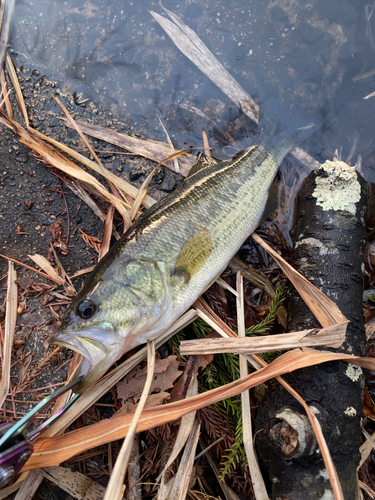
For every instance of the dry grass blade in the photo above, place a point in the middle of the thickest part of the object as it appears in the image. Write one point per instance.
(28, 488)
(224, 333)
(259, 487)
(206, 144)
(76, 484)
(107, 231)
(77, 189)
(29, 267)
(6, 14)
(29, 485)
(78, 130)
(60, 403)
(183, 432)
(87, 270)
(6, 492)
(182, 478)
(332, 336)
(229, 494)
(326, 455)
(5, 94)
(10, 325)
(52, 451)
(140, 196)
(175, 161)
(43, 263)
(194, 49)
(155, 151)
(94, 155)
(116, 481)
(225, 285)
(367, 489)
(367, 447)
(121, 184)
(325, 311)
(14, 79)
(52, 157)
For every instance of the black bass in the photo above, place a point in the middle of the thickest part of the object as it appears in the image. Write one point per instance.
(176, 249)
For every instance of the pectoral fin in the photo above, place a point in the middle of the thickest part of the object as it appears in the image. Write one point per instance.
(193, 255)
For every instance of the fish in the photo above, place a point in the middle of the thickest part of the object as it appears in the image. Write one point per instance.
(176, 249)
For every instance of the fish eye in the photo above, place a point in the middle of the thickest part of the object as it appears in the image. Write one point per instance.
(86, 309)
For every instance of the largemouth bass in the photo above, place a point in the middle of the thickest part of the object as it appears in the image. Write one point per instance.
(176, 249)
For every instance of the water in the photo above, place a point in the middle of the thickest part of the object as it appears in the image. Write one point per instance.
(114, 52)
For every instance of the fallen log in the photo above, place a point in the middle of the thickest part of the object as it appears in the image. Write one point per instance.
(329, 252)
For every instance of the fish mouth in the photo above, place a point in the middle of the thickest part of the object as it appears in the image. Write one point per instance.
(95, 345)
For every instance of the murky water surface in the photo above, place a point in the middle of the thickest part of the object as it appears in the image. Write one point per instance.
(317, 54)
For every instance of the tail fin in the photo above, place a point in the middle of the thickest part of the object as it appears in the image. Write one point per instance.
(283, 129)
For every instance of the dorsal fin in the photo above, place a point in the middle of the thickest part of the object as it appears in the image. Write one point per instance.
(203, 161)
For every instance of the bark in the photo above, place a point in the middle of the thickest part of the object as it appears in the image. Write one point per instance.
(329, 251)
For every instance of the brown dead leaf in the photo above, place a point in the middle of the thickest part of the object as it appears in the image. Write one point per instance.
(192, 367)
(23, 369)
(22, 306)
(166, 372)
(368, 405)
(17, 343)
(56, 231)
(151, 401)
(91, 241)
(33, 319)
(25, 282)
(46, 299)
